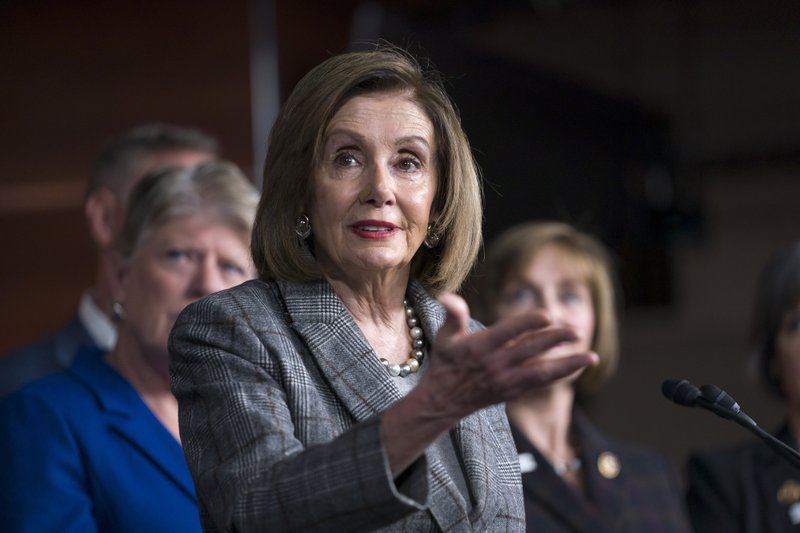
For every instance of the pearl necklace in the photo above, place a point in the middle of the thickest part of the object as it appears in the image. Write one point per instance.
(413, 363)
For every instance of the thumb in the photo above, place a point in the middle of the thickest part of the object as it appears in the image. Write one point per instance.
(457, 319)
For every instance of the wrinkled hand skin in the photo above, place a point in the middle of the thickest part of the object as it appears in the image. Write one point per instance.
(497, 364)
(470, 371)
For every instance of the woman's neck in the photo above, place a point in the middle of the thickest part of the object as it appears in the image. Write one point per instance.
(545, 418)
(148, 378)
(377, 308)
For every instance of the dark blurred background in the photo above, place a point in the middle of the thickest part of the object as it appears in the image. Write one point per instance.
(669, 129)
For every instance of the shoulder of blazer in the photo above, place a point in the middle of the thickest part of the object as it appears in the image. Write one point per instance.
(44, 356)
(250, 301)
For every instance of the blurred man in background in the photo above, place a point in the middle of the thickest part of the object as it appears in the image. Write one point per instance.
(124, 161)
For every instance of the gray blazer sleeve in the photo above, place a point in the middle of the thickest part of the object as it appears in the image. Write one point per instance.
(241, 375)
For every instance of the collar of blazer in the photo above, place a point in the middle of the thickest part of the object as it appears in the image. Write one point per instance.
(67, 341)
(125, 413)
(559, 500)
(362, 384)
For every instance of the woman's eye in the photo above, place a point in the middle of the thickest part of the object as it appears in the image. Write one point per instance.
(409, 164)
(571, 297)
(233, 268)
(520, 297)
(175, 254)
(345, 159)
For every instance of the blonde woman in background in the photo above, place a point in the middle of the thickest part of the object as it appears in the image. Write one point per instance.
(575, 478)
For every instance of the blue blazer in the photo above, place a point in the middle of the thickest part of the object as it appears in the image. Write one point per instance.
(80, 451)
(44, 356)
(630, 488)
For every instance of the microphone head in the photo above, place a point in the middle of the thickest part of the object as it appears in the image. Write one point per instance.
(717, 396)
(680, 391)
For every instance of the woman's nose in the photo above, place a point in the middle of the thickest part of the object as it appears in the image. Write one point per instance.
(554, 311)
(207, 279)
(377, 188)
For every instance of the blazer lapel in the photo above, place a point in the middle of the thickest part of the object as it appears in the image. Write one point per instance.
(778, 484)
(70, 339)
(126, 414)
(338, 347)
(475, 440)
(447, 503)
(604, 471)
(474, 437)
(356, 375)
(545, 489)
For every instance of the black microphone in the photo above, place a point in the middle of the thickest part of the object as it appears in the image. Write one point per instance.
(709, 397)
(716, 400)
(684, 393)
(680, 391)
(720, 398)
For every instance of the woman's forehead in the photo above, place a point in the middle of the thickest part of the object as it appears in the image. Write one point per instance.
(571, 263)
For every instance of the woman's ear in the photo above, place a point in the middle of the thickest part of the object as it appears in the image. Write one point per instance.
(102, 209)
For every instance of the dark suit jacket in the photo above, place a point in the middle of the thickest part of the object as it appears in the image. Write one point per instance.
(644, 496)
(748, 488)
(280, 401)
(45, 356)
(80, 451)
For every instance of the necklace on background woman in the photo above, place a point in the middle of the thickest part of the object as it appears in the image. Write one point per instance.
(573, 465)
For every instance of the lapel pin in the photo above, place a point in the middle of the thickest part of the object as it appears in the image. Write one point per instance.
(608, 465)
(789, 492)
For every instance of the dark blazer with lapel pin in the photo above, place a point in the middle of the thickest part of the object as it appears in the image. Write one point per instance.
(280, 400)
(45, 356)
(635, 491)
(747, 488)
(80, 451)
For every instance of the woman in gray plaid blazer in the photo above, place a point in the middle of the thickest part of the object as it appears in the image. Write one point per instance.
(335, 393)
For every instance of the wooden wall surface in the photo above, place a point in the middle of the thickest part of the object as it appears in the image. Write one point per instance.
(75, 74)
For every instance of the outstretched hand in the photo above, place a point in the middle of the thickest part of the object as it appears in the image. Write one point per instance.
(473, 370)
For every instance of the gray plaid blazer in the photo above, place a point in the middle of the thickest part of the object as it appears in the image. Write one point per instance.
(280, 399)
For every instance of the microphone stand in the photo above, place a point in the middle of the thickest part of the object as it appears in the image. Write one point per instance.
(719, 402)
(788, 453)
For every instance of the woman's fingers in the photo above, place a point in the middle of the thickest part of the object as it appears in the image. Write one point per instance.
(541, 372)
(508, 351)
(511, 330)
(457, 319)
(535, 343)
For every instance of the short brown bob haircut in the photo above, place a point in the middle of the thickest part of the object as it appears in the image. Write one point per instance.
(777, 295)
(295, 148)
(507, 258)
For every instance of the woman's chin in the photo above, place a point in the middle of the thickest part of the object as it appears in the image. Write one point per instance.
(559, 352)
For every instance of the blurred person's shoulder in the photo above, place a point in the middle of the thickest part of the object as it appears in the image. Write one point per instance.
(47, 355)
